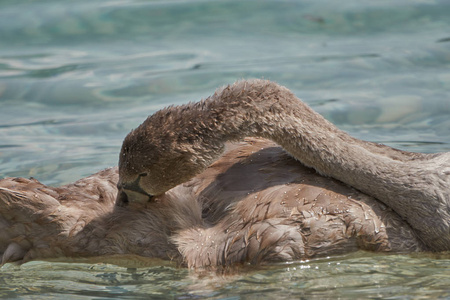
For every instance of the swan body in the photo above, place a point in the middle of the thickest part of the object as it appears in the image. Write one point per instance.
(255, 204)
(191, 188)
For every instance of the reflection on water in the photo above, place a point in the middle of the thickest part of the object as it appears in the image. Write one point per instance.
(77, 76)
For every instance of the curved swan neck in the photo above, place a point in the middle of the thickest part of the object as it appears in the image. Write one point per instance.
(265, 109)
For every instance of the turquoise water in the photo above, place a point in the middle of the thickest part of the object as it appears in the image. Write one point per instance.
(77, 76)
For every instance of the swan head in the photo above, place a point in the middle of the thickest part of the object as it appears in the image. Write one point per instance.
(146, 168)
(163, 152)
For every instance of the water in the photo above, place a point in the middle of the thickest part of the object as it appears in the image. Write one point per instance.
(358, 276)
(77, 76)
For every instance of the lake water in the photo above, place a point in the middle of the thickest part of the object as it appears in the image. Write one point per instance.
(77, 76)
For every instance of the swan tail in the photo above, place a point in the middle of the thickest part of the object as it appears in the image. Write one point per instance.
(39, 222)
(26, 218)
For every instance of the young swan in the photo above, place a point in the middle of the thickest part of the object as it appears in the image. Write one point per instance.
(255, 204)
(177, 143)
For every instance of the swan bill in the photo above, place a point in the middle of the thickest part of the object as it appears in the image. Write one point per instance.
(124, 197)
(132, 192)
